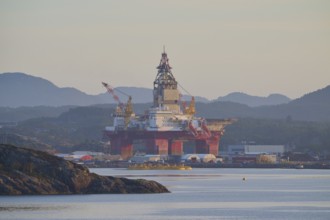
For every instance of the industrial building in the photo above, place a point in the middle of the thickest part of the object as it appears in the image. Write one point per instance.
(248, 153)
(255, 149)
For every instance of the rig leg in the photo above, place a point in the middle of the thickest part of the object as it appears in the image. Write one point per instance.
(157, 146)
(202, 147)
(115, 146)
(175, 147)
(209, 146)
(122, 146)
(213, 144)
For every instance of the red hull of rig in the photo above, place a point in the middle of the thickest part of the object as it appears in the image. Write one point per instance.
(162, 142)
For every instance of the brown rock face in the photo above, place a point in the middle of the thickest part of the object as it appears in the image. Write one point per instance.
(27, 172)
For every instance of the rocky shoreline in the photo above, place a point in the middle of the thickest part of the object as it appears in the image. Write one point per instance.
(30, 172)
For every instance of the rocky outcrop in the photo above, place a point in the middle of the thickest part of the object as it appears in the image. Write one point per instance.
(30, 172)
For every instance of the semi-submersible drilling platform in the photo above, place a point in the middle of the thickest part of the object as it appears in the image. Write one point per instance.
(164, 126)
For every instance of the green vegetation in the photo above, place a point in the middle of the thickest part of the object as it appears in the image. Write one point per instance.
(300, 136)
(78, 128)
(81, 129)
(24, 113)
(23, 141)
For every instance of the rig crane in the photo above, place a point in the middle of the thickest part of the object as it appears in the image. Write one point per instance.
(111, 90)
(122, 110)
(190, 110)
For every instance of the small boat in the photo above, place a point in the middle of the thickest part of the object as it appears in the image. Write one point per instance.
(299, 166)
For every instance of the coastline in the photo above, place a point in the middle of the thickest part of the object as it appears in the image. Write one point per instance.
(297, 165)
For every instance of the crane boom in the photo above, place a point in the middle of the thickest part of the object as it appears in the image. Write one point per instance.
(125, 111)
(112, 92)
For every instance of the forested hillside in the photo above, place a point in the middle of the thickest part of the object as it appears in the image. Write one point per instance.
(81, 128)
(300, 136)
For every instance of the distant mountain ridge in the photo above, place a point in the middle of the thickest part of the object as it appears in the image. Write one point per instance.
(317, 97)
(254, 101)
(314, 106)
(20, 89)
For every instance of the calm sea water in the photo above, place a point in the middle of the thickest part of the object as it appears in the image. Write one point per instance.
(195, 194)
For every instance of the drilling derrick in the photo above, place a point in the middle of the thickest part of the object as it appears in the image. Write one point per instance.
(166, 94)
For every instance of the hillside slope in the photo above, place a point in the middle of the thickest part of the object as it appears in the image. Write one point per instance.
(23, 90)
(254, 101)
(19, 89)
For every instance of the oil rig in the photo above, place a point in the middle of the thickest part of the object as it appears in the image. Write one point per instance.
(166, 124)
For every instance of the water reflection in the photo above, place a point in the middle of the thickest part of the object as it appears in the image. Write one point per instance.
(196, 194)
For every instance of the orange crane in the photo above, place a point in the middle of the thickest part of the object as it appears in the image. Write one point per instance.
(111, 90)
(190, 110)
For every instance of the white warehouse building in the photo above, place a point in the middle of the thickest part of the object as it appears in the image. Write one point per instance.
(255, 149)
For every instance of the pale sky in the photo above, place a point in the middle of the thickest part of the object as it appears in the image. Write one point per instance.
(215, 47)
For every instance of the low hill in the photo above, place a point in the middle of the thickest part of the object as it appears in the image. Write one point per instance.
(254, 101)
(30, 142)
(321, 96)
(314, 106)
(30, 172)
(19, 89)
(23, 90)
(297, 135)
(81, 129)
(8, 114)
(140, 95)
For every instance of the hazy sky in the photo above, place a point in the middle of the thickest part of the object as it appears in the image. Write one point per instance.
(215, 47)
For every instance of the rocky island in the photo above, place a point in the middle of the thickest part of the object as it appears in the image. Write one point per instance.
(30, 172)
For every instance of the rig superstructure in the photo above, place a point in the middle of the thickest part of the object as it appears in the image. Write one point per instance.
(165, 126)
